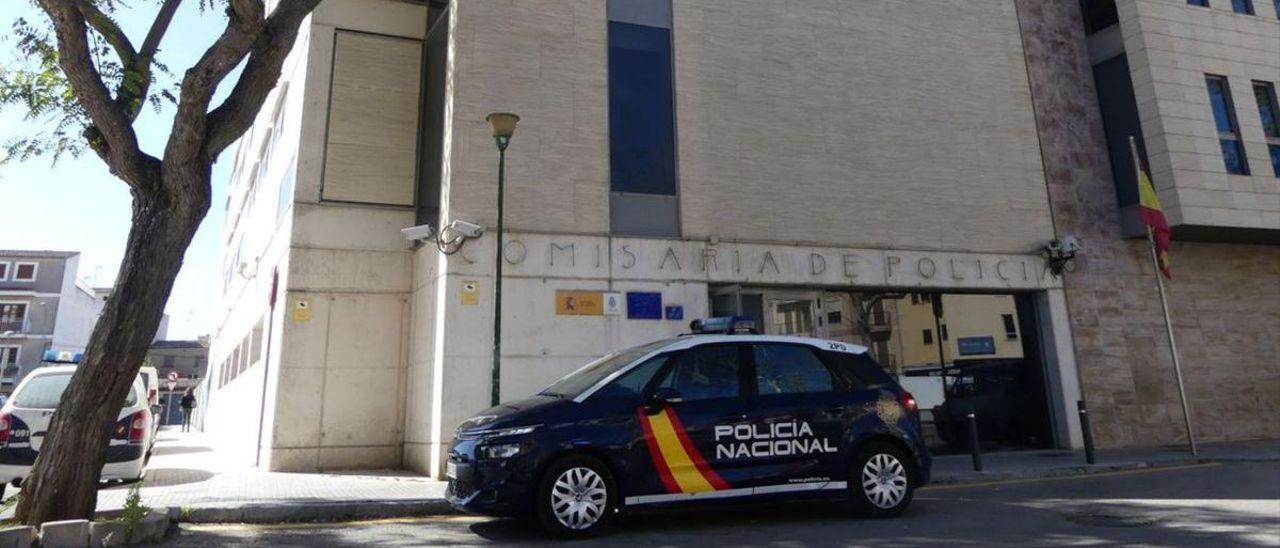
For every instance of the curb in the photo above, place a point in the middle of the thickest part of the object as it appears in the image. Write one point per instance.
(1083, 470)
(320, 512)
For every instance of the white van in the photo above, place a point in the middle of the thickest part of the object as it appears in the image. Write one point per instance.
(24, 420)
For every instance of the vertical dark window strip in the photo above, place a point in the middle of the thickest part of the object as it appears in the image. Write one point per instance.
(1269, 112)
(1201, 3)
(1242, 6)
(641, 110)
(1224, 118)
(431, 122)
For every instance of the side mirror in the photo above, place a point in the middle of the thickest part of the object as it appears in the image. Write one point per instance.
(660, 398)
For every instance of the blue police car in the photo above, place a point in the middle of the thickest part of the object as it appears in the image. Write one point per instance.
(717, 415)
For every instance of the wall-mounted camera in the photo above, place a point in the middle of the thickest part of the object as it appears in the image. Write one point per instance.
(1061, 253)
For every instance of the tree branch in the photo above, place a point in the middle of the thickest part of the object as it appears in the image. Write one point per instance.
(111, 135)
(236, 113)
(107, 27)
(187, 138)
(136, 82)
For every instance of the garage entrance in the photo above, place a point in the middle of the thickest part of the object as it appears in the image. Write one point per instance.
(955, 352)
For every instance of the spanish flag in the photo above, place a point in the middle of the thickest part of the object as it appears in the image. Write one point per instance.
(1152, 214)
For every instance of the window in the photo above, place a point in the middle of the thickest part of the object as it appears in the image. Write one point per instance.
(787, 369)
(1098, 14)
(642, 150)
(9, 362)
(928, 336)
(1224, 117)
(1202, 3)
(1269, 110)
(632, 383)
(1277, 3)
(24, 272)
(1010, 328)
(168, 361)
(942, 330)
(1242, 6)
(13, 316)
(4, 271)
(589, 375)
(44, 391)
(705, 373)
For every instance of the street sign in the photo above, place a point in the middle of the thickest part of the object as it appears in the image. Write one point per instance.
(171, 384)
(172, 376)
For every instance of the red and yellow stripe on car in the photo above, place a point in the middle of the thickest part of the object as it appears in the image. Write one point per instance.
(679, 464)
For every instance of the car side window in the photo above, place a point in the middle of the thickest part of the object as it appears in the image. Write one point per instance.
(632, 383)
(705, 373)
(790, 369)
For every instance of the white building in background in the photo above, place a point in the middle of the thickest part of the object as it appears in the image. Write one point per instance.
(787, 161)
(43, 306)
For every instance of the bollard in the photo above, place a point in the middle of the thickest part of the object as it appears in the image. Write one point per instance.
(974, 446)
(1086, 432)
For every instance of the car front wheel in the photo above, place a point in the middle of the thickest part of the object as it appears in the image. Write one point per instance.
(881, 481)
(576, 497)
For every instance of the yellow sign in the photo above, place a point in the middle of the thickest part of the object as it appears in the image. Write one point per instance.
(302, 311)
(579, 303)
(470, 292)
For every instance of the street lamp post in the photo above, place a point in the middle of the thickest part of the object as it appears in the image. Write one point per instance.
(504, 126)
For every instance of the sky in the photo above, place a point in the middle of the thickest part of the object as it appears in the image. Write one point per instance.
(77, 205)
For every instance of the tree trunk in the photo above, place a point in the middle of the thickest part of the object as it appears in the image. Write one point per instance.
(64, 481)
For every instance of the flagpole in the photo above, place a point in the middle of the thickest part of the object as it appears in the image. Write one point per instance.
(1164, 307)
(1173, 346)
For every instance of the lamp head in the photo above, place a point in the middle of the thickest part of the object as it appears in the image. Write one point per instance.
(504, 126)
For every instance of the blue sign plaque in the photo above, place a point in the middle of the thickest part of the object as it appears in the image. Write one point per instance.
(674, 312)
(972, 346)
(644, 306)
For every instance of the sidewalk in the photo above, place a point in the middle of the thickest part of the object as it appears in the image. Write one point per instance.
(952, 469)
(187, 473)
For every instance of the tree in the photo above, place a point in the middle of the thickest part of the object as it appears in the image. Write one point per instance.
(85, 71)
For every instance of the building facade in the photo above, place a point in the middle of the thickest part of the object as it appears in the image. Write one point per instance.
(188, 361)
(43, 307)
(809, 164)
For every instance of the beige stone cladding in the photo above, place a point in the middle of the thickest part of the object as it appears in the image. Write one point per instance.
(1225, 298)
(881, 124)
(1171, 46)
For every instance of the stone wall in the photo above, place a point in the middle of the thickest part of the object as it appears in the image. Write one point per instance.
(1225, 298)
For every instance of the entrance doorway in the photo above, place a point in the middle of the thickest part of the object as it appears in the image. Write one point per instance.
(955, 352)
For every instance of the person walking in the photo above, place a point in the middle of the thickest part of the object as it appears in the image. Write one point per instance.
(188, 407)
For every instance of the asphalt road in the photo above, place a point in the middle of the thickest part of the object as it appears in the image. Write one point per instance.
(1204, 505)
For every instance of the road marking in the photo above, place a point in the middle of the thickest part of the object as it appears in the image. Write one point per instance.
(1086, 475)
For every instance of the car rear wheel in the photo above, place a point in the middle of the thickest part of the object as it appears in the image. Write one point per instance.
(881, 481)
(576, 497)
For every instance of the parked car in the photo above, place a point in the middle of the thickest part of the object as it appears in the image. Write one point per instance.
(705, 418)
(24, 422)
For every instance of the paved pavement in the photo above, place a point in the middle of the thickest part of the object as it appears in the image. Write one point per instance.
(186, 472)
(1233, 504)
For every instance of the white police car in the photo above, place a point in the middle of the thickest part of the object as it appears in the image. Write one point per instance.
(24, 422)
(714, 416)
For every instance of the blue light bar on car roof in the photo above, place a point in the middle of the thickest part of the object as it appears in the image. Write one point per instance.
(54, 356)
(723, 324)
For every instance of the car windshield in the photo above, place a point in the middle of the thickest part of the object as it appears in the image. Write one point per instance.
(573, 384)
(44, 391)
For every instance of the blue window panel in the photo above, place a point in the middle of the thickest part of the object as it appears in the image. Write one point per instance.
(641, 110)
(1233, 156)
(1221, 105)
(1265, 94)
(1242, 6)
(1275, 158)
(1204, 3)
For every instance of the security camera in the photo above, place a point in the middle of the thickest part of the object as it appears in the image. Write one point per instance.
(465, 229)
(1071, 244)
(416, 233)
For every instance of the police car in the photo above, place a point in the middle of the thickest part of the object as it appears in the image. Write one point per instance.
(24, 422)
(717, 415)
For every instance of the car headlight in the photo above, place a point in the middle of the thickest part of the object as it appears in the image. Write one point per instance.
(513, 431)
(503, 451)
